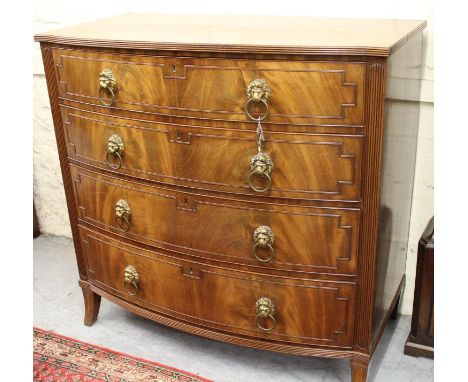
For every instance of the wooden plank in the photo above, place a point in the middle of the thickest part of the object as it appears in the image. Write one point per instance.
(256, 34)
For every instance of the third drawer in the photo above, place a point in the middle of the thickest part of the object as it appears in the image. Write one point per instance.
(270, 236)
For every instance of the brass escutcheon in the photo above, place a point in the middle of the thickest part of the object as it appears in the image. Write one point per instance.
(131, 277)
(266, 310)
(115, 148)
(107, 85)
(123, 213)
(264, 237)
(261, 165)
(258, 91)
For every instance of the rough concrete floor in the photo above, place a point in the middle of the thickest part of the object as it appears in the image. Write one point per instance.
(58, 306)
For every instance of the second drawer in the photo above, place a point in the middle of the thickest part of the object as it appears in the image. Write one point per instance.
(319, 240)
(303, 166)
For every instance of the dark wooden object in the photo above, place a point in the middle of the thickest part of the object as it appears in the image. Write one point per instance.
(421, 338)
(36, 230)
(342, 143)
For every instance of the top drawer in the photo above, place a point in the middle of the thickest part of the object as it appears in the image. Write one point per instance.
(302, 92)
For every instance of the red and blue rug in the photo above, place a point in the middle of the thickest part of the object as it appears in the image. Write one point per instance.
(62, 359)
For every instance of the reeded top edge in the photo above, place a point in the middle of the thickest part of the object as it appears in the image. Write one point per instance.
(241, 34)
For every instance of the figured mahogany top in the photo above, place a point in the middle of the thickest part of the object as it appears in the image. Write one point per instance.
(252, 34)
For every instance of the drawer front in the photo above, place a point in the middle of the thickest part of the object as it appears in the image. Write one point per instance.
(308, 312)
(306, 166)
(305, 92)
(305, 239)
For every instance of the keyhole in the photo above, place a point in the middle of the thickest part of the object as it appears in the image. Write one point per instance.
(174, 68)
(190, 271)
(186, 204)
(178, 135)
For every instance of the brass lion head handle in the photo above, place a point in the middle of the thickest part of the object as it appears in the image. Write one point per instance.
(258, 91)
(131, 280)
(115, 149)
(266, 311)
(123, 215)
(261, 166)
(264, 237)
(107, 85)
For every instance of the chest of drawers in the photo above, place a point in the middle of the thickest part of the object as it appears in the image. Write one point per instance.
(246, 179)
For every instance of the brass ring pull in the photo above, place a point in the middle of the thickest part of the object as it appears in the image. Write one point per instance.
(264, 237)
(261, 327)
(102, 99)
(135, 288)
(125, 226)
(115, 149)
(110, 161)
(107, 85)
(268, 259)
(259, 189)
(247, 110)
(131, 277)
(258, 91)
(260, 165)
(266, 310)
(123, 214)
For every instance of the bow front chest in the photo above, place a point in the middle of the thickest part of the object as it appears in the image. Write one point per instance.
(245, 179)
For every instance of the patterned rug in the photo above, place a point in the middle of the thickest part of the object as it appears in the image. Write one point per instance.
(61, 359)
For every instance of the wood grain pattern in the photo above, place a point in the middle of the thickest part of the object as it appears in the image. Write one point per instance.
(307, 166)
(217, 123)
(307, 311)
(359, 370)
(371, 201)
(241, 33)
(264, 344)
(307, 239)
(179, 108)
(216, 88)
(92, 303)
(52, 88)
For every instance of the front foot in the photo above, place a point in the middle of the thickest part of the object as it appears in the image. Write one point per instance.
(359, 370)
(92, 303)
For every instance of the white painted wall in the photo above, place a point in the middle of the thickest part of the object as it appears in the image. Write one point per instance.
(52, 14)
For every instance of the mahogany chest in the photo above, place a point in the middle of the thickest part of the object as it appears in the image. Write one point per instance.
(247, 179)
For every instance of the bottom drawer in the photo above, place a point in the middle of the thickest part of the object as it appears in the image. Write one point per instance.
(249, 304)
